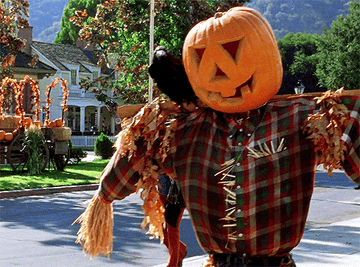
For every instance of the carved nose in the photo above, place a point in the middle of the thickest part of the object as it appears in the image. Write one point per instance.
(220, 73)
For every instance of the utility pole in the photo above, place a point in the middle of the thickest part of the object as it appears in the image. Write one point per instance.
(151, 48)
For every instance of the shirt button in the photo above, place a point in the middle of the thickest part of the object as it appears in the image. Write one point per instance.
(241, 130)
(239, 144)
(241, 235)
(238, 164)
(230, 136)
(238, 187)
(249, 134)
(238, 211)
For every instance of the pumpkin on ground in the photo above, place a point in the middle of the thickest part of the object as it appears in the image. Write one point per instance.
(27, 122)
(37, 123)
(51, 124)
(232, 60)
(58, 122)
(9, 136)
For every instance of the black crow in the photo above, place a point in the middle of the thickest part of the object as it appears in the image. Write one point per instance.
(169, 74)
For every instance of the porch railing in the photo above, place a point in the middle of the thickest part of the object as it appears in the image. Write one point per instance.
(86, 140)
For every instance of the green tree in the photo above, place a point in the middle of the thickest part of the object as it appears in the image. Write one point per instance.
(339, 52)
(299, 58)
(69, 32)
(120, 29)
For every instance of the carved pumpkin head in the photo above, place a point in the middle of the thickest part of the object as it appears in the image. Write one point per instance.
(232, 60)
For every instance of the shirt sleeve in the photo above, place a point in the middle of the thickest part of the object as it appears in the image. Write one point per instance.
(119, 177)
(351, 138)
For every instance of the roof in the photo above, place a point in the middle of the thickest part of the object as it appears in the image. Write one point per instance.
(22, 60)
(60, 55)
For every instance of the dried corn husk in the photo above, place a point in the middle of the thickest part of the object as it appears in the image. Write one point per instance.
(9, 122)
(149, 124)
(96, 228)
(325, 129)
(95, 233)
(153, 207)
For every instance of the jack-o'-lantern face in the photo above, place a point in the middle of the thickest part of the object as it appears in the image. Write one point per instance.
(232, 61)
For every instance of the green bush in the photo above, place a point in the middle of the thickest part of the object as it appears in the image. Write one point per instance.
(77, 154)
(104, 147)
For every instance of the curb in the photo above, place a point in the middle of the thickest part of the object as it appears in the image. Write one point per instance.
(47, 191)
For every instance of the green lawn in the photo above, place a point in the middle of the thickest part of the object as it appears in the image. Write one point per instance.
(81, 173)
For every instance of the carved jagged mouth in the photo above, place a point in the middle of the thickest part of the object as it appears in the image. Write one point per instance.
(247, 86)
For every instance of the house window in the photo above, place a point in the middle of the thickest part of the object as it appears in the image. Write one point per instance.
(73, 118)
(73, 76)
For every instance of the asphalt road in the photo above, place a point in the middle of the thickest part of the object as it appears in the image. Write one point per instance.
(37, 231)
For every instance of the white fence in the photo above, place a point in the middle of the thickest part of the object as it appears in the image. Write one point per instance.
(86, 140)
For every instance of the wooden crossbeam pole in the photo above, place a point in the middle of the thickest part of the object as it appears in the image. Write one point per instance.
(131, 110)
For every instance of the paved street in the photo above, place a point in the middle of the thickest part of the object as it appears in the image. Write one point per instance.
(37, 231)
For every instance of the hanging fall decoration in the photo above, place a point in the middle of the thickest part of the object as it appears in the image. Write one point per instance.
(18, 89)
(325, 129)
(19, 119)
(6, 85)
(232, 60)
(34, 94)
(46, 108)
(5, 96)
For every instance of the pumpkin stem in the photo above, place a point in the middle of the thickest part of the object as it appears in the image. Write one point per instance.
(218, 14)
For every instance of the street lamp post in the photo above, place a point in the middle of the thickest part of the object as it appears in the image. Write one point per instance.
(299, 88)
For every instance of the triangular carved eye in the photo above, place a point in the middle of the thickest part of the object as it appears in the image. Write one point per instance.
(200, 53)
(232, 48)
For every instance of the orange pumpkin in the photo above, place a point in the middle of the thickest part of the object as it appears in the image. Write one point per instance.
(9, 136)
(37, 123)
(232, 60)
(27, 122)
(51, 124)
(58, 122)
(2, 135)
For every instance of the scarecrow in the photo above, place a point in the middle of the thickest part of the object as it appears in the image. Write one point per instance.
(244, 158)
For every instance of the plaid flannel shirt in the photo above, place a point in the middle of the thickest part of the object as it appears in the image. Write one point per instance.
(273, 192)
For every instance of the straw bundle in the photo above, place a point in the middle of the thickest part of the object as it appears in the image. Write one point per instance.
(96, 228)
(9, 122)
(62, 133)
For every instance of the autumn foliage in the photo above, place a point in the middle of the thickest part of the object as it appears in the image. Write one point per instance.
(325, 129)
(120, 33)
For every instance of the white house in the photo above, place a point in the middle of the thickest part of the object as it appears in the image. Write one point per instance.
(71, 63)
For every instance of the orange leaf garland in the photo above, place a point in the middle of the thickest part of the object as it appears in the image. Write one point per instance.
(46, 108)
(35, 93)
(325, 129)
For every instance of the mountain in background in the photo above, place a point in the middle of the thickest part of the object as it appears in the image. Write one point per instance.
(306, 16)
(45, 17)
